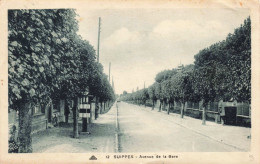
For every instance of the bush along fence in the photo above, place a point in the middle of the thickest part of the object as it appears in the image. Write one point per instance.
(219, 81)
(49, 68)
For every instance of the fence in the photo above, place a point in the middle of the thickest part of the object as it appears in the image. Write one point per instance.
(193, 105)
(243, 109)
(213, 107)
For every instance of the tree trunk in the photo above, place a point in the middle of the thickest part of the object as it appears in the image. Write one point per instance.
(169, 106)
(75, 119)
(25, 127)
(182, 110)
(66, 118)
(204, 105)
(47, 106)
(164, 104)
(101, 106)
(160, 107)
(96, 108)
(67, 111)
(50, 112)
(173, 104)
(153, 105)
(203, 116)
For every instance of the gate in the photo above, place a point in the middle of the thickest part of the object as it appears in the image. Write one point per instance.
(230, 115)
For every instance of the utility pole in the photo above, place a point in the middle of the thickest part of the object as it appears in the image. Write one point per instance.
(109, 71)
(99, 24)
(113, 84)
(97, 98)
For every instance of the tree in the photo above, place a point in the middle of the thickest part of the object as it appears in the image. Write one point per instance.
(151, 92)
(33, 37)
(238, 54)
(204, 77)
(163, 75)
(170, 91)
(159, 94)
(164, 90)
(182, 85)
(125, 93)
(144, 96)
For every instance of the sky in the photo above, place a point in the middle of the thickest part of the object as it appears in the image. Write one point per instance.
(141, 42)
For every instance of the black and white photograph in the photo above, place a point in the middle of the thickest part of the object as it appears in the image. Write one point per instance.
(134, 82)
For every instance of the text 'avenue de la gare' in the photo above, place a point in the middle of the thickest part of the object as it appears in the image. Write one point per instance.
(144, 156)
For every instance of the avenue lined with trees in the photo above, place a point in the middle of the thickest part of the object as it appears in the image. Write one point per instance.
(48, 61)
(221, 71)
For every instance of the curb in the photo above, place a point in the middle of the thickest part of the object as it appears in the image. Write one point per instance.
(116, 132)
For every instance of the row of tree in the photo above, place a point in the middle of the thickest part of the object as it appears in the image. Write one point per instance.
(48, 60)
(221, 71)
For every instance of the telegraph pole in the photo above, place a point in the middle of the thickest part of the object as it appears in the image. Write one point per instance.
(99, 24)
(97, 99)
(113, 84)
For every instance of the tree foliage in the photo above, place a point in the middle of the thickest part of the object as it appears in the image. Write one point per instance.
(223, 71)
(47, 58)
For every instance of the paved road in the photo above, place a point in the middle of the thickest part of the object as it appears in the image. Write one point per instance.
(144, 131)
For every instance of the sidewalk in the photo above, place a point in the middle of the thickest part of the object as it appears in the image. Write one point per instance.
(234, 136)
(60, 139)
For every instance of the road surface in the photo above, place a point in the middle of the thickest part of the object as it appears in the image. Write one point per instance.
(144, 131)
